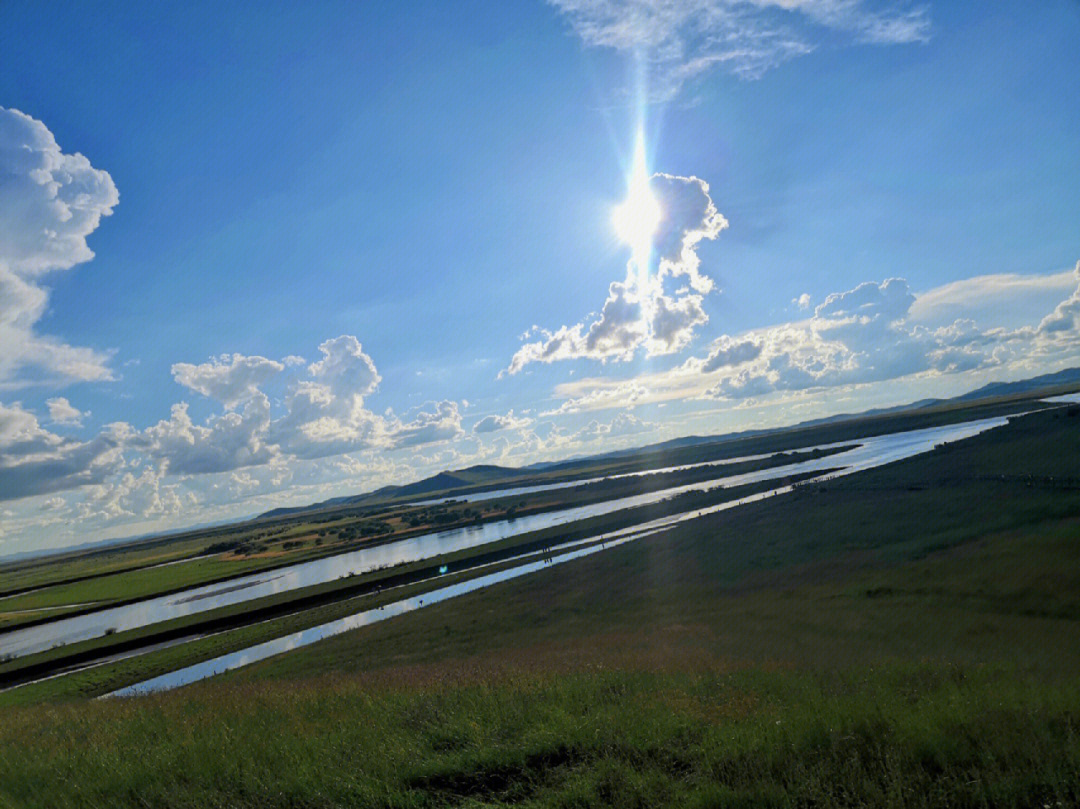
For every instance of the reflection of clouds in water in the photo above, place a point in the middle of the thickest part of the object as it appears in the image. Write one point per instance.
(318, 571)
(873, 452)
(870, 452)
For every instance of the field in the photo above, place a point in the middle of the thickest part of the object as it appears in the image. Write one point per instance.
(907, 636)
(247, 549)
(131, 569)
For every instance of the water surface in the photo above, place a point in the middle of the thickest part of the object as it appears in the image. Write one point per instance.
(873, 451)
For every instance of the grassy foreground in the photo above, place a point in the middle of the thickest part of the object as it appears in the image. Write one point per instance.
(913, 735)
(908, 636)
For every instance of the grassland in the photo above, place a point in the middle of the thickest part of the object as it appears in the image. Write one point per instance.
(302, 527)
(241, 625)
(907, 636)
(301, 539)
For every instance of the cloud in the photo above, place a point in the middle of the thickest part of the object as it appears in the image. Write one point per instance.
(49, 203)
(860, 336)
(136, 495)
(442, 423)
(490, 424)
(863, 335)
(1005, 300)
(677, 42)
(802, 302)
(345, 368)
(231, 379)
(1065, 319)
(868, 302)
(34, 461)
(326, 415)
(61, 411)
(226, 442)
(645, 314)
(320, 422)
(854, 337)
(728, 352)
(624, 424)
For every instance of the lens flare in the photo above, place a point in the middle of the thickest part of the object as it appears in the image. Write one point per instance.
(638, 217)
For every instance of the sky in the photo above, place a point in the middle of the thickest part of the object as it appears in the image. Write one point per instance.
(254, 257)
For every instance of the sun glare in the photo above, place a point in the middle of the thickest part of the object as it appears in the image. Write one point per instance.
(637, 218)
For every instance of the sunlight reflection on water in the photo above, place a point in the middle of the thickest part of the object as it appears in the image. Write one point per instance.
(874, 452)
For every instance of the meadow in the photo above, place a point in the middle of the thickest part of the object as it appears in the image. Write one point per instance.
(906, 636)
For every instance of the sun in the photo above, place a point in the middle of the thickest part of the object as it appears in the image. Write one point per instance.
(638, 217)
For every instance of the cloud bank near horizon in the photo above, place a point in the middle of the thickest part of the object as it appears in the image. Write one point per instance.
(282, 428)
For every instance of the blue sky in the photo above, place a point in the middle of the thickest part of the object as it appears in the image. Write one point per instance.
(414, 186)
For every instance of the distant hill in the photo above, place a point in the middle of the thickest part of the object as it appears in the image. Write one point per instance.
(444, 481)
(1066, 377)
(488, 474)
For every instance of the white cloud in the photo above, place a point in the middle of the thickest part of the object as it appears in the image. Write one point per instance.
(327, 416)
(136, 495)
(49, 203)
(34, 461)
(61, 411)
(490, 424)
(441, 423)
(861, 336)
(728, 352)
(679, 41)
(624, 424)
(1001, 300)
(226, 442)
(345, 368)
(644, 314)
(1065, 319)
(231, 379)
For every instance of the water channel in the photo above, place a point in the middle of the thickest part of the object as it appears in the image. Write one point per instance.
(871, 452)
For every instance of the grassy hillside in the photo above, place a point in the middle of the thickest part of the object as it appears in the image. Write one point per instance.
(908, 636)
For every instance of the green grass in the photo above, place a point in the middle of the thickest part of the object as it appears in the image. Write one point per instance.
(102, 590)
(903, 735)
(909, 636)
(262, 619)
(102, 561)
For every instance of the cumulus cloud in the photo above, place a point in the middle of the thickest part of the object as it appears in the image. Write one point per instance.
(35, 461)
(441, 423)
(864, 335)
(61, 411)
(644, 313)
(345, 368)
(677, 42)
(230, 379)
(141, 494)
(856, 337)
(624, 424)
(1065, 319)
(326, 415)
(728, 352)
(226, 442)
(494, 422)
(49, 203)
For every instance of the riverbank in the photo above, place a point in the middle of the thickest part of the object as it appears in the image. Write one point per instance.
(905, 636)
